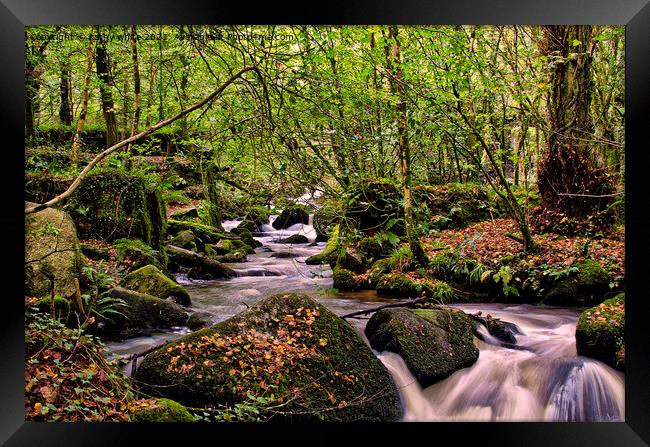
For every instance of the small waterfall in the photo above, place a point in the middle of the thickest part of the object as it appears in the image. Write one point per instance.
(541, 380)
(586, 390)
(416, 406)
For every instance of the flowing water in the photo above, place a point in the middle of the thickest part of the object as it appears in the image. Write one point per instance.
(542, 379)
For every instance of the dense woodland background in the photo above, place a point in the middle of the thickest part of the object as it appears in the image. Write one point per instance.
(445, 163)
(325, 107)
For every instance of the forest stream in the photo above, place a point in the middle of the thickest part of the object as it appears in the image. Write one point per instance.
(539, 379)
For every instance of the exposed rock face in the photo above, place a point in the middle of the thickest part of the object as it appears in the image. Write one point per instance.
(317, 361)
(51, 249)
(434, 343)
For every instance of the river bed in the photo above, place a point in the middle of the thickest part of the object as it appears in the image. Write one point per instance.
(544, 380)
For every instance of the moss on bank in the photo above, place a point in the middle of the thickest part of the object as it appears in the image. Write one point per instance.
(600, 332)
(163, 410)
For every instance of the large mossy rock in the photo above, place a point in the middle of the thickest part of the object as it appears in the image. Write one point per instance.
(246, 236)
(111, 204)
(322, 368)
(204, 234)
(152, 281)
(142, 314)
(329, 253)
(184, 239)
(295, 239)
(585, 288)
(452, 205)
(198, 266)
(434, 343)
(345, 280)
(398, 284)
(600, 332)
(163, 410)
(189, 214)
(372, 204)
(133, 254)
(51, 249)
(259, 215)
(296, 214)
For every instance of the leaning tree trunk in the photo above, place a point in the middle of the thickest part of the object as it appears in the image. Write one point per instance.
(419, 255)
(103, 73)
(569, 184)
(84, 102)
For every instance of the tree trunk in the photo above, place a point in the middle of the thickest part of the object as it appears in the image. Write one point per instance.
(65, 109)
(75, 184)
(211, 195)
(31, 93)
(568, 182)
(84, 102)
(106, 81)
(136, 84)
(419, 255)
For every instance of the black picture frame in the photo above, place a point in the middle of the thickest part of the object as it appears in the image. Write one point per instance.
(15, 14)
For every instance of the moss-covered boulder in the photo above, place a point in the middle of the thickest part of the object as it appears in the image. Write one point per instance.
(318, 365)
(52, 250)
(233, 257)
(349, 258)
(204, 234)
(199, 266)
(59, 307)
(295, 239)
(149, 279)
(246, 237)
(247, 224)
(329, 252)
(184, 239)
(452, 205)
(371, 250)
(198, 320)
(585, 288)
(600, 332)
(191, 214)
(372, 204)
(434, 343)
(258, 215)
(324, 222)
(141, 314)
(378, 270)
(398, 284)
(163, 410)
(291, 215)
(346, 280)
(133, 254)
(110, 204)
